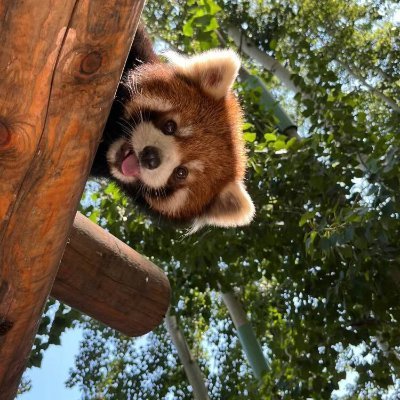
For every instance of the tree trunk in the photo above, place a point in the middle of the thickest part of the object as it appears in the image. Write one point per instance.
(357, 75)
(60, 65)
(285, 123)
(268, 62)
(246, 335)
(284, 75)
(190, 365)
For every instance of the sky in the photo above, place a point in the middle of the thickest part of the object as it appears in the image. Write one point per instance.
(396, 16)
(48, 382)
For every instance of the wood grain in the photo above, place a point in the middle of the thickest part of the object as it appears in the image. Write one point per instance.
(60, 63)
(106, 279)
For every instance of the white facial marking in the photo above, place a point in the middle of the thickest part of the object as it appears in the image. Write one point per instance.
(185, 131)
(141, 102)
(147, 135)
(196, 165)
(193, 167)
(112, 153)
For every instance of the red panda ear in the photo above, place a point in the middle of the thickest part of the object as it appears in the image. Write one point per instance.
(232, 207)
(214, 70)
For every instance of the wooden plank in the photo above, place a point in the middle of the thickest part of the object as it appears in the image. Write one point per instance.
(60, 63)
(106, 279)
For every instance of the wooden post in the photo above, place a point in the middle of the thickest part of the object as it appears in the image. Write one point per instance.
(104, 278)
(60, 63)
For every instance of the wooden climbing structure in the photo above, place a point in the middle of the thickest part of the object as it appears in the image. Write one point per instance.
(60, 63)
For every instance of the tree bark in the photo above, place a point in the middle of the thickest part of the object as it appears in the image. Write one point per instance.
(284, 75)
(285, 123)
(190, 365)
(246, 335)
(60, 64)
(103, 277)
(268, 62)
(357, 75)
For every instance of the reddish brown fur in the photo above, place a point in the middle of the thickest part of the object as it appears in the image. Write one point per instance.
(216, 138)
(195, 94)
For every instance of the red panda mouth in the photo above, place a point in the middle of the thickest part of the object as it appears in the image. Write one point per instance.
(129, 164)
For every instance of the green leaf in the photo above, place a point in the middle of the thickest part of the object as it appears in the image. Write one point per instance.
(310, 240)
(306, 217)
(94, 216)
(249, 137)
(279, 145)
(324, 243)
(188, 28)
(270, 137)
(247, 126)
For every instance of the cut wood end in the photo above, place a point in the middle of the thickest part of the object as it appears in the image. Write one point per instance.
(106, 279)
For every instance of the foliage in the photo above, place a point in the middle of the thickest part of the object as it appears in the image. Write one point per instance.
(55, 320)
(120, 366)
(318, 269)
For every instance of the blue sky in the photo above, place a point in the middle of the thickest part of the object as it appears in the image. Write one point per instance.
(48, 382)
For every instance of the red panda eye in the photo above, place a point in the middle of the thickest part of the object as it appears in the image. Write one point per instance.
(181, 172)
(169, 127)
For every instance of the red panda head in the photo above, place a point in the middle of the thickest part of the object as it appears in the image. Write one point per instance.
(183, 148)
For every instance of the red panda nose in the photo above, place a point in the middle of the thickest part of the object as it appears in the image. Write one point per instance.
(149, 157)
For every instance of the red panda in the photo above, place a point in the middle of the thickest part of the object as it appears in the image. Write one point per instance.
(173, 141)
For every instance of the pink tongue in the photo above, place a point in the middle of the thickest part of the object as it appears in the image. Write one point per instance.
(130, 166)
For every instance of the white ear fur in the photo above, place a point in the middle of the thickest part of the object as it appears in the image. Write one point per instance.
(232, 207)
(215, 70)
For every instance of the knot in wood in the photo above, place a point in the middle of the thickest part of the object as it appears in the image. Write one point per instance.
(91, 63)
(5, 326)
(4, 134)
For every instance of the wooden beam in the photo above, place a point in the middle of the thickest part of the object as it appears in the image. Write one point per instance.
(60, 63)
(106, 279)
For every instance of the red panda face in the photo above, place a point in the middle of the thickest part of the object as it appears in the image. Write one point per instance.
(183, 147)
